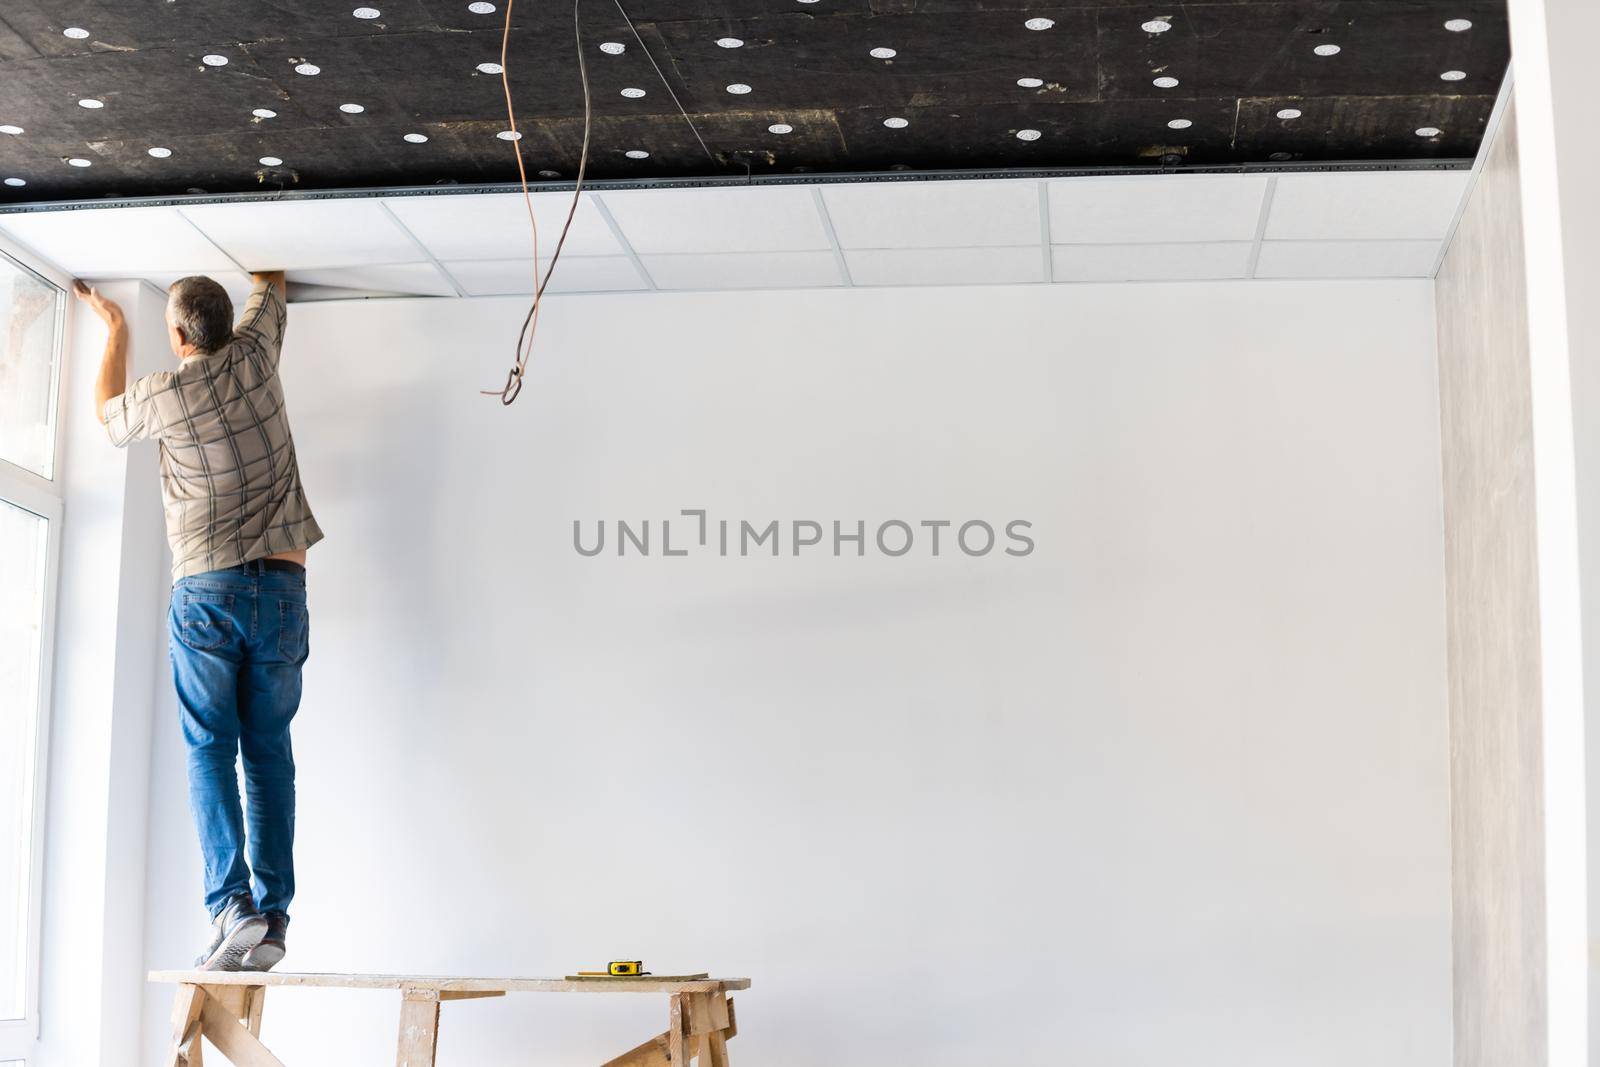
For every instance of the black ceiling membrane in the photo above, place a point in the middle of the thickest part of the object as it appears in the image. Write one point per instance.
(196, 94)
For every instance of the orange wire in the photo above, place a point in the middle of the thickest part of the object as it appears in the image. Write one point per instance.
(525, 340)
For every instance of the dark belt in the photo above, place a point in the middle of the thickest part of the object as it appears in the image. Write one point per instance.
(256, 566)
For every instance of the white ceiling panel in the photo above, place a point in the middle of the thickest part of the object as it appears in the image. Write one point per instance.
(304, 234)
(1151, 262)
(421, 279)
(124, 242)
(1376, 205)
(495, 225)
(1156, 208)
(934, 214)
(578, 274)
(765, 270)
(722, 219)
(1347, 259)
(945, 266)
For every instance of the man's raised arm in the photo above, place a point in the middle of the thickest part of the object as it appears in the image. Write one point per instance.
(113, 378)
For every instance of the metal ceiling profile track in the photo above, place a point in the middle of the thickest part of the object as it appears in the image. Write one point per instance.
(992, 174)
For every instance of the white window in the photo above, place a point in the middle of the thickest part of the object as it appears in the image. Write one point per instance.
(32, 338)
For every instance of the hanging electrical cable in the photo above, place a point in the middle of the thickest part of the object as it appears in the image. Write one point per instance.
(530, 324)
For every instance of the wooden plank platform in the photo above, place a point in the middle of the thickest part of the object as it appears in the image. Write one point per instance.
(224, 1007)
(452, 983)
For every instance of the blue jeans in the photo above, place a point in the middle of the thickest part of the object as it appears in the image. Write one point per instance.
(238, 640)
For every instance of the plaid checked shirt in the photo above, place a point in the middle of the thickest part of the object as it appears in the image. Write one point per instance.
(228, 471)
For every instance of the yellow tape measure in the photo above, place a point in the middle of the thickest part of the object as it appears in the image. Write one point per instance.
(618, 969)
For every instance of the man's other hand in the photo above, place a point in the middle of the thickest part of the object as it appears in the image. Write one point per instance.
(271, 277)
(108, 310)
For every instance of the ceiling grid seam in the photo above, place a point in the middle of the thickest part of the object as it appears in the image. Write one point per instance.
(424, 249)
(833, 237)
(622, 239)
(1267, 196)
(703, 291)
(1045, 237)
(207, 238)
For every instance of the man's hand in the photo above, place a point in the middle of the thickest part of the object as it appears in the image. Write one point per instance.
(109, 310)
(272, 277)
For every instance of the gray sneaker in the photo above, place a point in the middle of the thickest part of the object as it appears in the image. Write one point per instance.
(266, 955)
(240, 928)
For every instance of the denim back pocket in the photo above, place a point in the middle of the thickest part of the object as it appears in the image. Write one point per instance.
(207, 620)
(294, 630)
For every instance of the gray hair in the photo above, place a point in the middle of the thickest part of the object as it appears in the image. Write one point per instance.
(202, 310)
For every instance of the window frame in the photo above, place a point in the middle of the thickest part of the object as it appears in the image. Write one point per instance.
(43, 496)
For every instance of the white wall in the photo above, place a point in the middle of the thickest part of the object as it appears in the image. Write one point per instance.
(1171, 789)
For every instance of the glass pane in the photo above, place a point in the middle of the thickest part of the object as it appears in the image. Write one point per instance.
(28, 324)
(23, 544)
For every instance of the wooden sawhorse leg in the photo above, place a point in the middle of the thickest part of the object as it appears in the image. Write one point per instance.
(186, 1027)
(698, 1026)
(229, 1016)
(419, 1028)
(419, 1022)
